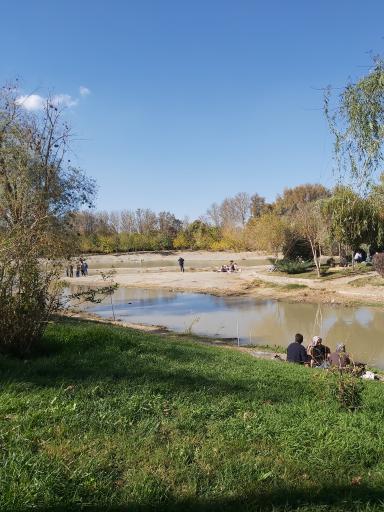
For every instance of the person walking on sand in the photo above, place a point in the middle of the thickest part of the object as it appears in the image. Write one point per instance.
(181, 264)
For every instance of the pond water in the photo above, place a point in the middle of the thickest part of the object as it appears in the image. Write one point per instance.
(257, 322)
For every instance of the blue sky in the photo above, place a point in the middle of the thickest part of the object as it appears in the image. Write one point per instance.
(191, 102)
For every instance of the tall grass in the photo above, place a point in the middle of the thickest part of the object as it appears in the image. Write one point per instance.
(107, 418)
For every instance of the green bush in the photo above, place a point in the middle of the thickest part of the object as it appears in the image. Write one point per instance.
(293, 266)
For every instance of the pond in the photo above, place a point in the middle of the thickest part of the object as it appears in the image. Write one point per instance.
(254, 321)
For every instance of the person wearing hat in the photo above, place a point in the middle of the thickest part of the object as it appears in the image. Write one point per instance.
(318, 352)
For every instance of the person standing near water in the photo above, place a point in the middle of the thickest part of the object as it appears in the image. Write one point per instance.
(181, 264)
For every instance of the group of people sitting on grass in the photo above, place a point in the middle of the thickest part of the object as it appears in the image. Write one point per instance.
(316, 354)
(232, 267)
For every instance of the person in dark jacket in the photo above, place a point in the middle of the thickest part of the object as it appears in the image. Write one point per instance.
(296, 353)
(181, 264)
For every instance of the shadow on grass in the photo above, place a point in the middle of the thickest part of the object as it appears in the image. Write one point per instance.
(336, 498)
(127, 357)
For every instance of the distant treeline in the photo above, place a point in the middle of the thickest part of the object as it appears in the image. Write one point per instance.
(304, 220)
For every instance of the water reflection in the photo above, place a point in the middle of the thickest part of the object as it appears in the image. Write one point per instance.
(257, 321)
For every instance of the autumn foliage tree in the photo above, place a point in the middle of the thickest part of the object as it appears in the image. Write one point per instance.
(267, 233)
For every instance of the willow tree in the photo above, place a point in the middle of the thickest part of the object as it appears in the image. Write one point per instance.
(39, 192)
(356, 120)
(353, 219)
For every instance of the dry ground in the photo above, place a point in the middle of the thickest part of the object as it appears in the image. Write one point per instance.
(252, 280)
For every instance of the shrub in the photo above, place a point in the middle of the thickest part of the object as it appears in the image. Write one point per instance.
(29, 292)
(293, 266)
(378, 263)
(221, 245)
(341, 385)
(347, 388)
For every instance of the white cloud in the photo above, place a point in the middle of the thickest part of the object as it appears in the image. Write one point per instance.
(64, 100)
(84, 91)
(37, 102)
(31, 102)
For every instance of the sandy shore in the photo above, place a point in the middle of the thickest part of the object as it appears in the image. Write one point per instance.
(201, 276)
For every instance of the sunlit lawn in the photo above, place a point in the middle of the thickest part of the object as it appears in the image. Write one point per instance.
(107, 418)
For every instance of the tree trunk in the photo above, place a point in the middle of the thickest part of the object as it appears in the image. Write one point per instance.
(315, 258)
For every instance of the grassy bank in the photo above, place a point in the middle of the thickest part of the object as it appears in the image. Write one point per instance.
(111, 418)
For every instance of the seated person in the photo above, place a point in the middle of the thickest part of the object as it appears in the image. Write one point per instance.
(296, 353)
(319, 353)
(339, 358)
(231, 266)
(358, 257)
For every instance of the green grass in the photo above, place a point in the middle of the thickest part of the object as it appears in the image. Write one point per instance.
(108, 418)
(328, 273)
(293, 286)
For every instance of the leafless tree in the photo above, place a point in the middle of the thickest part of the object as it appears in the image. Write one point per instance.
(128, 221)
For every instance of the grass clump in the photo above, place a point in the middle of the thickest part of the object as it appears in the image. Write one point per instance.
(108, 418)
(294, 286)
(259, 283)
(364, 281)
(344, 386)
